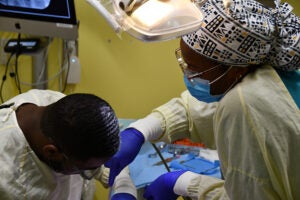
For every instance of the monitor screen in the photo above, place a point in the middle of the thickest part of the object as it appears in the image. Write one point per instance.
(52, 18)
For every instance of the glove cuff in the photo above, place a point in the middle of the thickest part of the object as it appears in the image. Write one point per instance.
(149, 126)
(183, 182)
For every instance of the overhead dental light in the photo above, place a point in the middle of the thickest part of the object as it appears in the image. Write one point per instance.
(151, 20)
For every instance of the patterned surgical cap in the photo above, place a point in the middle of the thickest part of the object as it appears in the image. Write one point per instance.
(248, 33)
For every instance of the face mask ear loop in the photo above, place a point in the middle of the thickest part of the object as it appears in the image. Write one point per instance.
(221, 75)
(203, 72)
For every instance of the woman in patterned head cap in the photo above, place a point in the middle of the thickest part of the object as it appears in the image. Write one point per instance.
(242, 72)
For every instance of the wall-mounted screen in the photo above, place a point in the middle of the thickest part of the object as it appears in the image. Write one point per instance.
(52, 18)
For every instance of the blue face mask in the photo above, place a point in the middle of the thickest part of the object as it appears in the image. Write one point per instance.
(200, 89)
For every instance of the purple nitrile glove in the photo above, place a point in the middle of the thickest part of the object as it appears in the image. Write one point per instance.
(163, 187)
(130, 145)
(123, 196)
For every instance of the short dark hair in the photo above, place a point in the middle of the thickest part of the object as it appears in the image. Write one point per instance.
(82, 125)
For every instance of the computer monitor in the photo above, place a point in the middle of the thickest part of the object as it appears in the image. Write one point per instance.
(51, 18)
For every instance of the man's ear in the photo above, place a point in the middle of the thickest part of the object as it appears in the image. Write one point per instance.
(51, 152)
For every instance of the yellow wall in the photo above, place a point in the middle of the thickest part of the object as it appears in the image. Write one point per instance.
(133, 76)
(295, 4)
